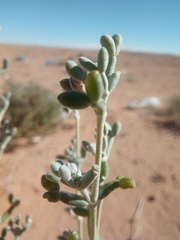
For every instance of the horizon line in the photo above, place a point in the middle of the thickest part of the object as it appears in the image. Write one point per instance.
(89, 47)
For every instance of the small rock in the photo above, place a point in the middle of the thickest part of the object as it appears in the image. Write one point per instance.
(36, 139)
(144, 103)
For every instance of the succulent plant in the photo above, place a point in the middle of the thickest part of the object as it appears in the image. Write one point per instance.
(89, 85)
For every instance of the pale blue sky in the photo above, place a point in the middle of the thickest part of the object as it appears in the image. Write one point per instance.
(152, 26)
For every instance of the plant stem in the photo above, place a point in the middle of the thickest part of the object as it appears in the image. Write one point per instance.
(95, 187)
(100, 204)
(80, 227)
(77, 127)
(77, 119)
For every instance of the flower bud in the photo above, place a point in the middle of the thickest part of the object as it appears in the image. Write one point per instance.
(72, 167)
(126, 182)
(74, 236)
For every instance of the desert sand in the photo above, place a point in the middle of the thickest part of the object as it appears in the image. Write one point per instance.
(142, 151)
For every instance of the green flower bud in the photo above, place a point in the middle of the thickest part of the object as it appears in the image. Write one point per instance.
(73, 199)
(108, 43)
(75, 71)
(74, 100)
(94, 86)
(80, 211)
(116, 128)
(88, 64)
(49, 185)
(65, 84)
(64, 173)
(73, 236)
(103, 59)
(113, 80)
(52, 196)
(126, 182)
(118, 42)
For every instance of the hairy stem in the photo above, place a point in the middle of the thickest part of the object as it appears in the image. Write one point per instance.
(77, 118)
(77, 127)
(95, 187)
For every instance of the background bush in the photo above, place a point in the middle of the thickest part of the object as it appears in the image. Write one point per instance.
(33, 109)
(174, 104)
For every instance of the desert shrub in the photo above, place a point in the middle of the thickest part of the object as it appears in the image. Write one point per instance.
(174, 103)
(33, 109)
(169, 116)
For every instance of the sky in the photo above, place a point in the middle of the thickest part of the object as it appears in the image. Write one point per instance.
(146, 26)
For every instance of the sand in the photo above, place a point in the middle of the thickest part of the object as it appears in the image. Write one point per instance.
(142, 151)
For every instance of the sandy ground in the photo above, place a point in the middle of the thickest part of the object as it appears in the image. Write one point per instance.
(142, 151)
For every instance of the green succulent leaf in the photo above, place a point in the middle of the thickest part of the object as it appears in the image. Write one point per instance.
(118, 42)
(88, 64)
(74, 100)
(52, 196)
(116, 128)
(113, 80)
(108, 43)
(80, 211)
(65, 84)
(104, 170)
(49, 185)
(103, 59)
(73, 199)
(75, 71)
(94, 86)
